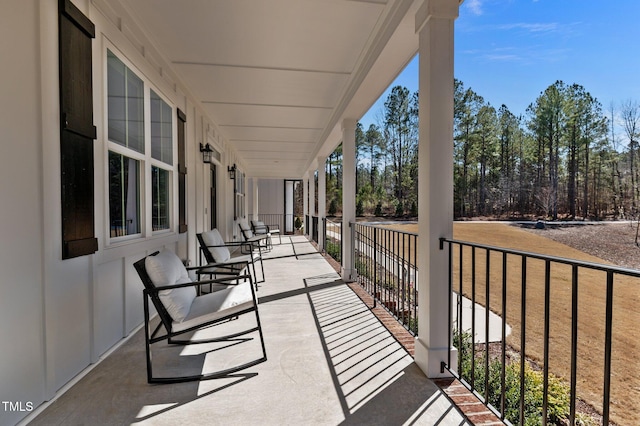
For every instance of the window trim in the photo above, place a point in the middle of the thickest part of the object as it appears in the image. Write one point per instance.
(147, 162)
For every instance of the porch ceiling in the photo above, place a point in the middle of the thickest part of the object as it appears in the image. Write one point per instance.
(278, 77)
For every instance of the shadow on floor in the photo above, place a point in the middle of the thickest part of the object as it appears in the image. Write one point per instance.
(376, 380)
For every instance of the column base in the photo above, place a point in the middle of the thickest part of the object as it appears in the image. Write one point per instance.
(430, 359)
(349, 275)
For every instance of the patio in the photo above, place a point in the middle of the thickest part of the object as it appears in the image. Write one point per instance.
(330, 361)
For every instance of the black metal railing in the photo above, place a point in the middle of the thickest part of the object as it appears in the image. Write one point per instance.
(386, 260)
(314, 228)
(566, 338)
(333, 238)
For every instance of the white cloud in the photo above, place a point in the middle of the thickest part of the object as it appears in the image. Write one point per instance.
(523, 55)
(475, 6)
(502, 58)
(532, 27)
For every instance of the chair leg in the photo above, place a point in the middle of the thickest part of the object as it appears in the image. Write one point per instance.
(255, 276)
(264, 351)
(261, 267)
(147, 338)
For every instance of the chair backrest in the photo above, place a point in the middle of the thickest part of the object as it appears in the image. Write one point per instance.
(141, 268)
(245, 230)
(208, 257)
(162, 269)
(213, 246)
(259, 227)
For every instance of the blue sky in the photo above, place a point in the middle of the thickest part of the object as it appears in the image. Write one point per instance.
(509, 51)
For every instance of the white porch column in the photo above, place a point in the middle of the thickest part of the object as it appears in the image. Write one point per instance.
(322, 199)
(348, 196)
(434, 25)
(305, 201)
(312, 200)
(289, 209)
(255, 198)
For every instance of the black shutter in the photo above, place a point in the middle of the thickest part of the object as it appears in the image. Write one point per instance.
(182, 174)
(77, 132)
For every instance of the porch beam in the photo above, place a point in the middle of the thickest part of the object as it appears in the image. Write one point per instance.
(434, 25)
(348, 196)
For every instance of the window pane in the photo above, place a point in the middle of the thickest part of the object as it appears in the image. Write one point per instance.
(116, 95)
(125, 104)
(135, 112)
(160, 198)
(161, 130)
(124, 195)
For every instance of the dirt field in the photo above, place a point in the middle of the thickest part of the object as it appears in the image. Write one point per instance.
(612, 243)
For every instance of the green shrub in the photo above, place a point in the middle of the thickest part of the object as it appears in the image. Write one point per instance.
(378, 211)
(414, 209)
(558, 391)
(333, 207)
(334, 249)
(359, 208)
(413, 325)
(400, 208)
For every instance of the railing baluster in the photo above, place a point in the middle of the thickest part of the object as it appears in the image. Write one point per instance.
(547, 314)
(400, 284)
(414, 303)
(473, 317)
(574, 342)
(607, 350)
(486, 325)
(503, 358)
(450, 298)
(375, 266)
(523, 336)
(461, 269)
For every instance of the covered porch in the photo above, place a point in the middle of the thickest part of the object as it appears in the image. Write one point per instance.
(153, 121)
(330, 361)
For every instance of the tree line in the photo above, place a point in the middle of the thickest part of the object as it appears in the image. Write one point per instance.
(565, 158)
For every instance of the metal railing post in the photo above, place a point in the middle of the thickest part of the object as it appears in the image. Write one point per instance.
(375, 267)
(324, 235)
(352, 251)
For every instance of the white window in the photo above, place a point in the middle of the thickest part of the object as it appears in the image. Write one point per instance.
(140, 145)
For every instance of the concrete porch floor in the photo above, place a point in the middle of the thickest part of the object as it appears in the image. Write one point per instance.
(330, 362)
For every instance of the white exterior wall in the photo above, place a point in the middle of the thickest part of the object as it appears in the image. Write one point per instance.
(21, 214)
(271, 200)
(59, 316)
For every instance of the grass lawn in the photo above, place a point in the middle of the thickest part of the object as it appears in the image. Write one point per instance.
(625, 388)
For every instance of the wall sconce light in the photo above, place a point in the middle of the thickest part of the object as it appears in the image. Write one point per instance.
(207, 152)
(232, 171)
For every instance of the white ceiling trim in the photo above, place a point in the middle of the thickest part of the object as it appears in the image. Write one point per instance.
(265, 68)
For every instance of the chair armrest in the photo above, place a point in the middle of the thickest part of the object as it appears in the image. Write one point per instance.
(197, 283)
(226, 281)
(228, 244)
(244, 263)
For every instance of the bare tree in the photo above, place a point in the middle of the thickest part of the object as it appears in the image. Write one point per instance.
(630, 113)
(546, 200)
